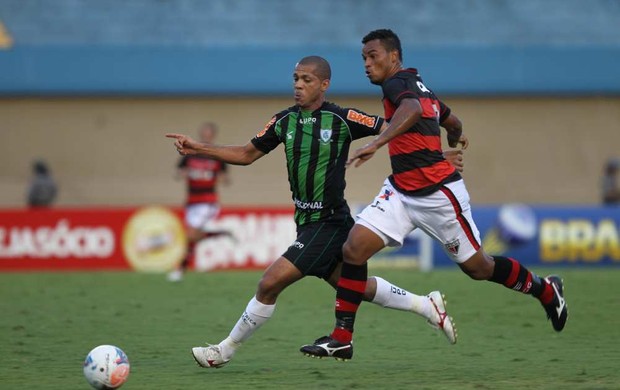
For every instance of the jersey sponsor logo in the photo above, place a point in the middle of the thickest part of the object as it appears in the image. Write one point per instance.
(313, 205)
(453, 246)
(386, 194)
(304, 121)
(326, 135)
(289, 135)
(298, 245)
(360, 118)
(267, 126)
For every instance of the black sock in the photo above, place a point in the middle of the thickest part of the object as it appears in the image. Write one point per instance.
(349, 295)
(513, 275)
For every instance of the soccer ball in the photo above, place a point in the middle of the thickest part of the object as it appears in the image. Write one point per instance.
(106, 367)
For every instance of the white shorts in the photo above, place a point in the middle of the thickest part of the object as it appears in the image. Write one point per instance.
(199, 215)
(445, 215)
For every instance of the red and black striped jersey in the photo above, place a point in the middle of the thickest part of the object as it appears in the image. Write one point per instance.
(202, 173)
(418, 165)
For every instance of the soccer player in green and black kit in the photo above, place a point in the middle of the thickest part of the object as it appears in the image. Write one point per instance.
(316, 135)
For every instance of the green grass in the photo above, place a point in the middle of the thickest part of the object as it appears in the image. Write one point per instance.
(49, 322)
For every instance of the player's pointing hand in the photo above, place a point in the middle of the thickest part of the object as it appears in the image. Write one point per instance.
(184, 144)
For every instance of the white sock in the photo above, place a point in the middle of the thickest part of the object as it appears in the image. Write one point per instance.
(394, 297)
(254, 316)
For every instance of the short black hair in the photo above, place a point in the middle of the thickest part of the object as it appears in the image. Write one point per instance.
(323, 70)
(388, 39)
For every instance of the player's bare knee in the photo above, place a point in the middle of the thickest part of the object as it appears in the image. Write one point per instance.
(477, 270)
(483, 271)
(352, 254)
(348, 252)
(268, 288)
(479, 266)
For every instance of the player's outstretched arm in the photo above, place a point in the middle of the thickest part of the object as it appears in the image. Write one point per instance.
(231, 154)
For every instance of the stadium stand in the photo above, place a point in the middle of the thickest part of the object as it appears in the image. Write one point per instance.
(285, 23)
(479, 46)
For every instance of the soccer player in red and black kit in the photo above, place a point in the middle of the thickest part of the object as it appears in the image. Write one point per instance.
(424, 191)
(202, 175)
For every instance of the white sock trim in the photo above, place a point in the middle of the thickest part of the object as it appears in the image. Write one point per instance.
(382, 294)
(254, 316)
(391, 296)
(260, 309)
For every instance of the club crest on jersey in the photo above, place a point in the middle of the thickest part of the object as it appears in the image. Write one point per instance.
(326, 135)
(453, 246)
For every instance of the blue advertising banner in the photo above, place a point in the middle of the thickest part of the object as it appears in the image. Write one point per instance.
(547, 235)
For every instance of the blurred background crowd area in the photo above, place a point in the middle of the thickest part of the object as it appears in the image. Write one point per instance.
(91, 87)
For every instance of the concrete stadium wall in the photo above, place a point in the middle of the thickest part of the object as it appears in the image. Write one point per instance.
(111, 151)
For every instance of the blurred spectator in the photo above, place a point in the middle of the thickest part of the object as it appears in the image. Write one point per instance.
(42, 191)
(611, 182)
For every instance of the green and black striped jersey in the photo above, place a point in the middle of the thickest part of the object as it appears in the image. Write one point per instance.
(316, 145)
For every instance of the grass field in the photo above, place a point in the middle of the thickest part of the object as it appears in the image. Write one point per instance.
(49, 322)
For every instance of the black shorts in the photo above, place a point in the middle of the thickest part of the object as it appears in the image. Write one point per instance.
(318, 247)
